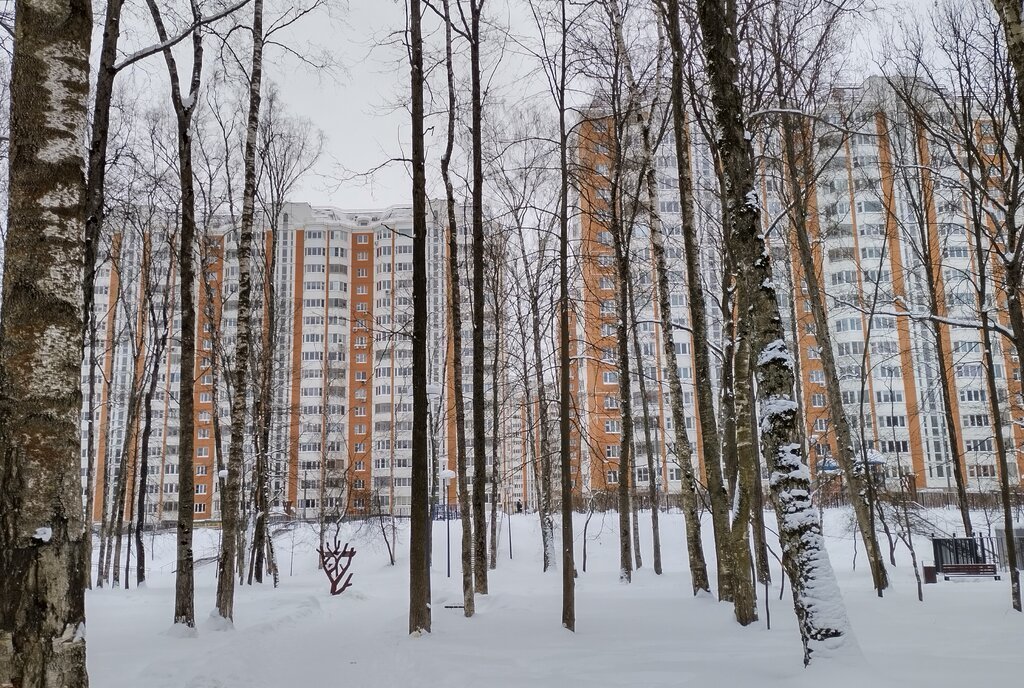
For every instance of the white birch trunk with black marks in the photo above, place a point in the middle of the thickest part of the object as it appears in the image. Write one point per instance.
(817, 601)
(42, 584)
(230, 499)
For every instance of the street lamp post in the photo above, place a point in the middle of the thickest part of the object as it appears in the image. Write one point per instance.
(445, 476)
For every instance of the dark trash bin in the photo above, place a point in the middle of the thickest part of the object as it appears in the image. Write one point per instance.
(930, 575)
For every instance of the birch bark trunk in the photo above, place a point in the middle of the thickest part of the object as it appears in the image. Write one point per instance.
(42, 591)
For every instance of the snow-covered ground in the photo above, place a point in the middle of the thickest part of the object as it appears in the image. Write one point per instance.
(649, 633)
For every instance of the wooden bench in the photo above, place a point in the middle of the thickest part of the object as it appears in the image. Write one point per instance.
(981, 570)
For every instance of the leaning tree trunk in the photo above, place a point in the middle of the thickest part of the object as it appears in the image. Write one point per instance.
(795, 163)
(94, 201)
(239, 405)
(698, 313)
(102, 560)
(817, 601)
(996, 412)
(42, 591)
(455, 313)
(128, 448)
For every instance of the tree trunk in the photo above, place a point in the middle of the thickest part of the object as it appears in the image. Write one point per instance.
(817, 601)
(184, 583)
(455, 313)
(229, 503)
(621, 246)
(648, 448)
(798, 185)
(544, 491)
(419, 557)
(129, 447)
(103, 559)
(94, 198)
(978, 227)
(261, 552)
(42, 591)
(683, 449)
(495, 410)
(479, 351)
(698, 314)
(160, 335)
(744, 595)
(565, 406)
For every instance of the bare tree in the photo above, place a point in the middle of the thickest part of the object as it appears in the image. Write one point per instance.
(816, 597)
(240, 374)
(184, 108)
(419, 538)
(808, 37)
(455, 316)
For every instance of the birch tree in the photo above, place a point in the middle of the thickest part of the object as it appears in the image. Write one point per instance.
(42, 594)
(230, 498)
(817, 601)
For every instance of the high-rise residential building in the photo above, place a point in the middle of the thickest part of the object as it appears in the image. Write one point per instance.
(340, 374)
(873, 186)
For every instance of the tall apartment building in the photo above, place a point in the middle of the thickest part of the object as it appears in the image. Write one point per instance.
(863, 219)
(341, 373)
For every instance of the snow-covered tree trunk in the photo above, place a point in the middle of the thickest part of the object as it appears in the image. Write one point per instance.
(818, 604)
(230, 507)
(42, 582)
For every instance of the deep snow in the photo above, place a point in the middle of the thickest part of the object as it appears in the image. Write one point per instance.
(649, 633)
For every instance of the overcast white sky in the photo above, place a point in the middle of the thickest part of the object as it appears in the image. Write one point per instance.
(356, 106)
